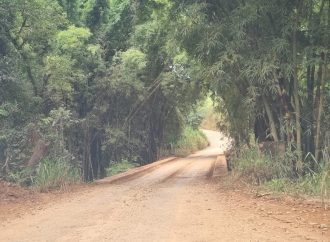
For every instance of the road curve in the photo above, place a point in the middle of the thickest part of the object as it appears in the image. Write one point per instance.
(176, 201)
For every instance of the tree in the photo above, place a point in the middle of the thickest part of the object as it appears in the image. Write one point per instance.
(246, 46)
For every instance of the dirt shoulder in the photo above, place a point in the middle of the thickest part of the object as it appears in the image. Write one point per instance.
(297, 213)
(187, 199)
(17, 201)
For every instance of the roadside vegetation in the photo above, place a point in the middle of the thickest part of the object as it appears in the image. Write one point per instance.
(190, 141)
(274, 173)
(49, 175)
(55, 175)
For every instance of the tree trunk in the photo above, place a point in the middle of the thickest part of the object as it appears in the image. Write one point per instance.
(309, 138)
(284, 108)
(321, 88)
(299, 164)
(30, 74)
(38, 152)
(272, 124)
(19, 47)
(320, 105)
(87, 155)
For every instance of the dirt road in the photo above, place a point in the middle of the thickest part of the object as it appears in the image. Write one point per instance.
(176, 201)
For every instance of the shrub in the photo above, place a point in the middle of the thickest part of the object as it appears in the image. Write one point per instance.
(260, 167)
(315, 184)
(52, 174)
(23, 177)
(275, 173)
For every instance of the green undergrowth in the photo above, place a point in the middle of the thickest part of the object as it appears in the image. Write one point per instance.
(260, 168)
(119, 167)
(312, 184)
(190, 141)
(53, 174)
(275, 174)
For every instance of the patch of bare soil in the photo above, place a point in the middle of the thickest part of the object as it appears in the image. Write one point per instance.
(17, 201)
(10, 192)
(297, 213)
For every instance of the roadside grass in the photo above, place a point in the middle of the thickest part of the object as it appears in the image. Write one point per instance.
(55, 174)
(312, 184)
(259, 168)
(189, 142)
(274, 174)
(119, 167)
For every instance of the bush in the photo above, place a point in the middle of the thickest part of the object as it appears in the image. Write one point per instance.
(275, 173)
(52, 174)
(261, 168)
(315, 184)
(23, 177)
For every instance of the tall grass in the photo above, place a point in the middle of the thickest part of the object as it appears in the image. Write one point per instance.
(275, 173)
(260, 168)
(53, 174)
(315, 184)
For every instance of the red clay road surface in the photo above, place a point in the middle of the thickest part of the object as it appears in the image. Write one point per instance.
(178, 200)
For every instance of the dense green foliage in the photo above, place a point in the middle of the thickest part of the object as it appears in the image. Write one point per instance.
(88, 83)
(94, 82)
(267, 63)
